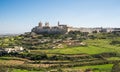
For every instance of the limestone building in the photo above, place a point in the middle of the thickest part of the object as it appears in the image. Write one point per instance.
(63, 29)
(40, 29)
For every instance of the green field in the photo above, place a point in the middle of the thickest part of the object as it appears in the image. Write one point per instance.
(94, 47)
(95, 68)
(81, 50)
(113, 58)
(20, 70)
(77, 50)
(97, 54)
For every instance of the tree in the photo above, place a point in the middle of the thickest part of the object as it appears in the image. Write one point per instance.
(94, 31)
(116, 67)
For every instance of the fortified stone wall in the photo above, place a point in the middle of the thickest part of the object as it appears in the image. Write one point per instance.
(62, 29)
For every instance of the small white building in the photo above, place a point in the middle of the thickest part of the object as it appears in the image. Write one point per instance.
(15, 49)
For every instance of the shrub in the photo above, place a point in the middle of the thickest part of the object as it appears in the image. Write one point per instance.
(116, 67)
(114, 42)
(108, 54)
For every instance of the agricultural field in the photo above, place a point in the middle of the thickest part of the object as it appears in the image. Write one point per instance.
(95, 68)
(94, 47)
(99, 54)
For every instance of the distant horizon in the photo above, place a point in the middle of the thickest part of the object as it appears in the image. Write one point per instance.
(19, 16)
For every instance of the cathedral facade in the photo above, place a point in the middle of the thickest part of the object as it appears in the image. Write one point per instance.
(46, 29)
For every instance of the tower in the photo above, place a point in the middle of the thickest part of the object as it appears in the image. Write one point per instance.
(40, 24)
(47, 24)
(58, 23)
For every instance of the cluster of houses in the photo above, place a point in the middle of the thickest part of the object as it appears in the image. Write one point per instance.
(16, 49)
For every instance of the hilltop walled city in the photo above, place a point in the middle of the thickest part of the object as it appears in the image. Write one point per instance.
(59, 35)
(61, 48)
(63, 28)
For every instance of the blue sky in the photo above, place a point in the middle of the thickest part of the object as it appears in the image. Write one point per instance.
(19, 16)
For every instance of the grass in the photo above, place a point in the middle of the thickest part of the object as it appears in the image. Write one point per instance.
(19, 70)
(10, 58)
(79, 50)
(106, 66)
(95, 68)
(113, 58)
(76, 50)
(94, 47)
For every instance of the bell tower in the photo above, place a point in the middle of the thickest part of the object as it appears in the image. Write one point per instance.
(40, 24)
(47, 24)
(58, 23)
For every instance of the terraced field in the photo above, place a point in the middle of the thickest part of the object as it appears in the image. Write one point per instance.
(95, 68)
(94, 47)
(98, 56)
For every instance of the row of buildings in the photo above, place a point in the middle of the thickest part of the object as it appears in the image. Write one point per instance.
(63, 28)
